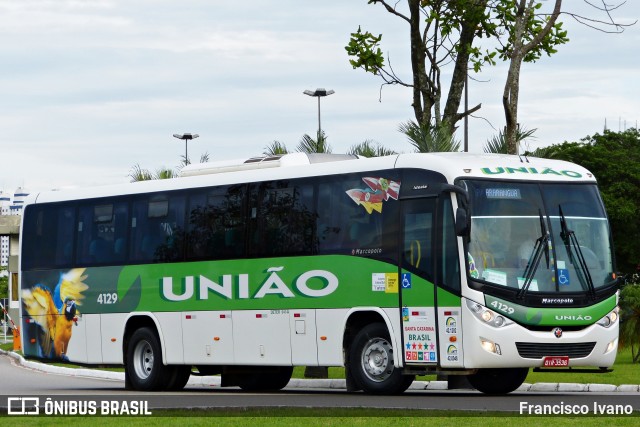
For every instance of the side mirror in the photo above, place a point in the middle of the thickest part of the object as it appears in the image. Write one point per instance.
(463, 225)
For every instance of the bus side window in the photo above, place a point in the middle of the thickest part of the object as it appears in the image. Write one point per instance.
(102, 231)
(450, 267)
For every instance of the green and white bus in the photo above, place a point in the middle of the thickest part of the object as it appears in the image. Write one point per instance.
(451, 263)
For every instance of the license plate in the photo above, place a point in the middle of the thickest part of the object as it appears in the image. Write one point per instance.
(555, 362)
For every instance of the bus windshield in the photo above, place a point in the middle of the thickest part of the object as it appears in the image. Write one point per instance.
(536, 237)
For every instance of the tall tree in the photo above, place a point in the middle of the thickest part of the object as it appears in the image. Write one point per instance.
(440, 32)
(529, 35)
(444, 32)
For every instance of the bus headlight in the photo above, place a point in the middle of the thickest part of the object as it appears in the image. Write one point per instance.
(488, 316)
(610, 319)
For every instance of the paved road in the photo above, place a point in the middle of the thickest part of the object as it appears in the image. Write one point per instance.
(18, 380)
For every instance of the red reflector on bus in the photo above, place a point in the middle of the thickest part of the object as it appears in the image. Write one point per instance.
(447, 313)
(415, 313)
(223, 316)
(258, 316)
(188, 316)
(296, 314)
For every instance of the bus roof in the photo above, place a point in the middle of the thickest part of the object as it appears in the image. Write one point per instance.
(297, 165)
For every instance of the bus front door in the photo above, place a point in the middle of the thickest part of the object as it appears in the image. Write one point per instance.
(417, 283)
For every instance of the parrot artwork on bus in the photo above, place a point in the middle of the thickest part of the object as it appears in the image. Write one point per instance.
(56, 313)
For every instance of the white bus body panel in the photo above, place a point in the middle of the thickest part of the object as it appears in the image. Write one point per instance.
(304, 340)
(330, 324)
(207, 337)
(261, 338)
(94, 337)
(112, 332)
(507, 336)
(170, 331)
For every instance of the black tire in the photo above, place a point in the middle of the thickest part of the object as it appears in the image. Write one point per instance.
(144, 362)
(498, 381)
(178, 378)
(272, 380)
(371, 362)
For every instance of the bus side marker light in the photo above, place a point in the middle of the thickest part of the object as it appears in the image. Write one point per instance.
(113, 340)
(323, 338)
(216, 338)
(453, 339)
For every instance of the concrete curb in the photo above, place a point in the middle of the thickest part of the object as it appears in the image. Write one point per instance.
(336, 384)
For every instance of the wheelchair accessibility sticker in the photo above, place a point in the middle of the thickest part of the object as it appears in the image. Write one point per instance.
(406, 281)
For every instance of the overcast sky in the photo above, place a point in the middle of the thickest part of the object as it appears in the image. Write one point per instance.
(89, 88)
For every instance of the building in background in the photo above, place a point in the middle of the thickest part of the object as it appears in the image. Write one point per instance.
(10, 205)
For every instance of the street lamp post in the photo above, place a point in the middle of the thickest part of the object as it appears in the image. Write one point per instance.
(186, 137)
(319, 93)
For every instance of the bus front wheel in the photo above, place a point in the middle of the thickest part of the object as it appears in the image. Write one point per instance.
(144, 361)
(371, 362)
(498, 381)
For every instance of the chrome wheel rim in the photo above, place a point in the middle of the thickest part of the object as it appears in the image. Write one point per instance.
(143, 358)
(377, 359)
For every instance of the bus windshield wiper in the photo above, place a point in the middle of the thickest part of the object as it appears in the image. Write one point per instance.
(542, 245)
(569, 238)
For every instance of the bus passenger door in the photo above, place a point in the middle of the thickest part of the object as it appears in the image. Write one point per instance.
(416, 276)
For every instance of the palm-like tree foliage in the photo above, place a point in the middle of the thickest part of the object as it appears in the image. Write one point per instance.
(140, 174)
(630, 320)
(426, 138)
(369, 148)
(310, 145)
(498, 143)
(276, 148)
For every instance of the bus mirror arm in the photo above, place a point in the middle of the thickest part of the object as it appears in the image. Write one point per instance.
(463, 224)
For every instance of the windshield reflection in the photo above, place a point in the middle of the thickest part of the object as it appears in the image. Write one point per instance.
(516, 237)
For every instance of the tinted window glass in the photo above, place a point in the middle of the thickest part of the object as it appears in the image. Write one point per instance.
(216, 223)
(102, 233)
(157, 228)
(47, 238)
(282, 219)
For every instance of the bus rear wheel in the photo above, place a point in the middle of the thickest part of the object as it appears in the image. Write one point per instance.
(144, 362)
(498, 381)
(178, 378)
(371, 362)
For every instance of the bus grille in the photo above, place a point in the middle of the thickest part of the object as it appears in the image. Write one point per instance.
(531, 350)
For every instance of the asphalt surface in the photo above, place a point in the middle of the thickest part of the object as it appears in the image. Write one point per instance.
(336, 384)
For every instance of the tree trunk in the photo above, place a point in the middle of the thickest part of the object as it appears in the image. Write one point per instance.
(422, 99)
(519, 51)
(461, 68)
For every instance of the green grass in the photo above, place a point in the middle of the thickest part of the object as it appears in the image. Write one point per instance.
(332, 417)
